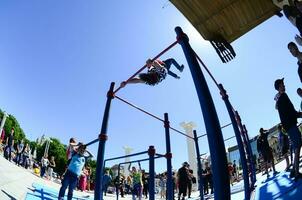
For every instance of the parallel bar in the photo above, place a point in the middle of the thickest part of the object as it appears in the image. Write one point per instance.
(181, 133)
(226, 125)
(220, 127)
(160, 155)
(150, 114)
(230, 138)
(141, 160)
(141, 69)
(205, 67)
(125, 156)
(138, 108)
(202, 135)
(92, 142)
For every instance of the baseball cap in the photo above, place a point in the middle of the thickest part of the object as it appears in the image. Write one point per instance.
(278, 82)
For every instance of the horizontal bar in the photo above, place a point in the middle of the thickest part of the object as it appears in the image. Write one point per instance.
(160, 155)
(230, 138)
(126, 156)
(138, 108)
(181, 133)
(134, 161)
(226, 125)
(92, 142)
(202, 135)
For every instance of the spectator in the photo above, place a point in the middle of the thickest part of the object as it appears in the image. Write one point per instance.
(292, 47)
(26, 153)
(145, 184)
(162, 185)
(288, 116)
(20, 148)
(71, 149)
(106, 181)
(235, 172)
(283, 145)
(88, 177)
(190, 183)
(51, 166)
(299, 92)
(183, 180)
(44, 165)
(231, 171)
(9, 144)
(136, 183)
(264, 149)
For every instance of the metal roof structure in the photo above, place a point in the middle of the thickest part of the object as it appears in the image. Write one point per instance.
(228, 19)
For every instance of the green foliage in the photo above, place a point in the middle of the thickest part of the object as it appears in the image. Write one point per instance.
(11, 122)
(56, 148)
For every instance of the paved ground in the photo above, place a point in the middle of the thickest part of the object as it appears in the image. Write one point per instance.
(16, 182)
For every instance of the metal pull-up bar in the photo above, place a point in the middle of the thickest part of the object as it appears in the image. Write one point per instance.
(141, 69)
(150, 114)
(126, 156)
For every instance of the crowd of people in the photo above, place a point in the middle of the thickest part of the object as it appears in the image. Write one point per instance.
(289, 137)
(19, 153)
(136, 183)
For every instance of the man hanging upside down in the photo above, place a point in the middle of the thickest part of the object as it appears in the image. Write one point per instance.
(157, 71)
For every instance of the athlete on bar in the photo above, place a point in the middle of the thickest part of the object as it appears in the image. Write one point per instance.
(157, 71)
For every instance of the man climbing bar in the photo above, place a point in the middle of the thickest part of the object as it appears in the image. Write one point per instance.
(157, 71)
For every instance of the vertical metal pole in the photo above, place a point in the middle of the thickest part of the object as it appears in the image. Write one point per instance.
(239, 142)
(249, 148)
(151, 153)
(215, 138)
(98, 194)
(246, 142)
(199, 167)
(170, 188)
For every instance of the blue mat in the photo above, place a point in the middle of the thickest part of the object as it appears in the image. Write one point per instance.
(278, 187)
(47, 193)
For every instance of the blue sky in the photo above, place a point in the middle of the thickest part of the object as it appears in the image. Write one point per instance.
(57, 59)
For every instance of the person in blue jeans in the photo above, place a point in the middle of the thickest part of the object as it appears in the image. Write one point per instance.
(106, 181)
(73, 172)
(157, 71)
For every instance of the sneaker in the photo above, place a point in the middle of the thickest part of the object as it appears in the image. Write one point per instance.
(276, 172)
(181, 68)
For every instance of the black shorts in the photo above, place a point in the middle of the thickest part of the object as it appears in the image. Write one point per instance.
(267, 155)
